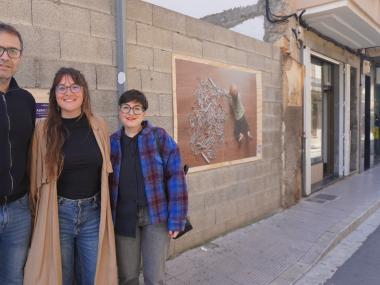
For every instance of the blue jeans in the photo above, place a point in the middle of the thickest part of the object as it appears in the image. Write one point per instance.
(15, 231)
(151, 244)
(79, 234)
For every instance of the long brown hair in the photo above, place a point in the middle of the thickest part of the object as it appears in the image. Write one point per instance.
(54, 130)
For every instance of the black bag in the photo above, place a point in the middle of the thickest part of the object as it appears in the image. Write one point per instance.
(188, 225)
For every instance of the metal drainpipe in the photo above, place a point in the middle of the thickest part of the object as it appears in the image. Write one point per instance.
(121, 35)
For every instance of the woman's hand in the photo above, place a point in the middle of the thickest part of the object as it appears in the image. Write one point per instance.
(173, 234)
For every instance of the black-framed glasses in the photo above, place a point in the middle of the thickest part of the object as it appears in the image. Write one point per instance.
(62, 89)
(12, 52)
(137, 110)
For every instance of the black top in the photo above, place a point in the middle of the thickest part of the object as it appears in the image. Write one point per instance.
(131, 187)
(82, 164)
(17, 118)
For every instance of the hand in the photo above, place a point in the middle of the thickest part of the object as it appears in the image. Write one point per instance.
(173, 234)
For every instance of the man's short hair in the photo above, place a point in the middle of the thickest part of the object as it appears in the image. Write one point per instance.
(11, 30)
(134, 95)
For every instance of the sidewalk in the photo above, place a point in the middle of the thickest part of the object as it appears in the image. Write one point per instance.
(282, 248)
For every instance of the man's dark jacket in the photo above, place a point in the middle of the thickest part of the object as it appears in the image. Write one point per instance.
(17, 119)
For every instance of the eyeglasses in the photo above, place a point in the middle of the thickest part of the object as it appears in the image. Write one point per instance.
(137, 110)
(62, 89)
(12, 52)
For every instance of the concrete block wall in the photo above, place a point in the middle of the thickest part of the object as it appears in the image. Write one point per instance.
(81, 33)
(226, 198)
(76, 33)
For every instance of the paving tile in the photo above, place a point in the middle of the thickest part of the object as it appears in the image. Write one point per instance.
(280, 249)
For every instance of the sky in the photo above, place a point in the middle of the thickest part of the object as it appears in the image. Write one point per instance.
(200, 8)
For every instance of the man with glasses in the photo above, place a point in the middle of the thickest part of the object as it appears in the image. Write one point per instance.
(17, 118)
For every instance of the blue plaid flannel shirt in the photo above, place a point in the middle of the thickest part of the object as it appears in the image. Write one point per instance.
(170, 205)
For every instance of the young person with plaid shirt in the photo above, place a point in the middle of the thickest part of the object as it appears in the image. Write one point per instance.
(148, 192)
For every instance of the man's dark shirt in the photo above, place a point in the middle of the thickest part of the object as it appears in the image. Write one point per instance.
(17, 119)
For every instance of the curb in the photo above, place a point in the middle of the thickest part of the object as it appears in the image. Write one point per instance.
(325, 244)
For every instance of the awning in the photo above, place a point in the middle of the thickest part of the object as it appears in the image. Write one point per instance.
(351, 23)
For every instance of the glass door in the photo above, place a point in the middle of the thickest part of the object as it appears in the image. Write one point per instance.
(322, 122)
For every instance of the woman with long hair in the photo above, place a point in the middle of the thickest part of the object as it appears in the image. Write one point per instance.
(73, 236)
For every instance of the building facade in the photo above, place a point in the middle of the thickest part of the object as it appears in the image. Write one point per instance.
(319, 102)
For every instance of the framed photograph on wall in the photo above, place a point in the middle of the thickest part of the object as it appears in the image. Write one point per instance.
(217, 112)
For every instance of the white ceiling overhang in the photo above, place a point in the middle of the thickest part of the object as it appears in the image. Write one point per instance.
(345, 23)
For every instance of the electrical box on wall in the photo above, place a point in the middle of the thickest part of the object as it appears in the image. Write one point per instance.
(366, 67)
(378, 75)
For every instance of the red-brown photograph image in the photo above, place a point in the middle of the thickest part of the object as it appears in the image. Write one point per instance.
(217, 112)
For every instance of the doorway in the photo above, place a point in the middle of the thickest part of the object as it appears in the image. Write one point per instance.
(367, 123)
(324, 86)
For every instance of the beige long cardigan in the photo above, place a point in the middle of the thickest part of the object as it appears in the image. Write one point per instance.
(43, 266)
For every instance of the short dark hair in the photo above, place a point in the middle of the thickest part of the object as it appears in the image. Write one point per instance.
(133, 95)
(11, 30)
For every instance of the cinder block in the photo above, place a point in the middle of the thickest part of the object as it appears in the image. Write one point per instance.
(237, 57)
(153, 104)
(114, 53)
(272, 94)
(112, 122)
(162, 61)
(16, 12)
(273, 66)
(222, 177)
(203, 219)
(214, 51)
(163, 122)
(215, 231)
(224, 36)
(50, 67)
(186, 45)
(139, 57)
(39, 42)
(106, 77)
(130, 27)
(86, 49)
(154, 37)
(225, 211)
(144, 34)
(266, 79)
(197, 184)
(215, 198)
(139, 11)
(134, 80)
(196, 202)
(199, 29)
(263, 48)
(277, 77)
(156, 82)
(272, 108)
(245, 205)
(104, 101)
(96, 5)
(169, 20)
(256, 61)
(165, 104)
(27, 75)
(245, 43)
(61, 17)
(256, 186)
(103, 25)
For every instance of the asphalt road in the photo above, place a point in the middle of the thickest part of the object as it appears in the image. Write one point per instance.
(362, 268)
